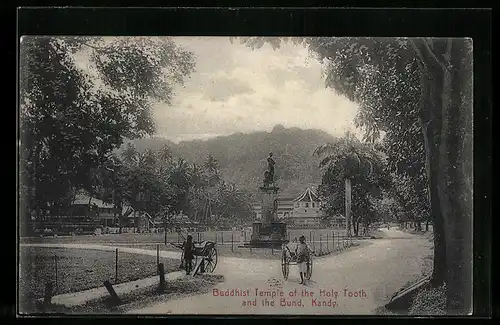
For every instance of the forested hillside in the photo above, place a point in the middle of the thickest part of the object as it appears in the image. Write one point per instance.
(242, 157)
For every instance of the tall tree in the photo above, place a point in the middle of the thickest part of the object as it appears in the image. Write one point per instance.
(213, 188)
(180, 181)
(365, 168)
(72, 118)
(398, 81)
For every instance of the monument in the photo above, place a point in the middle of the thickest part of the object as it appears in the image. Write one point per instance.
(269, 232)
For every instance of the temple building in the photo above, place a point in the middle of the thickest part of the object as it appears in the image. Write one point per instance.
(303, 211)
(306, 209)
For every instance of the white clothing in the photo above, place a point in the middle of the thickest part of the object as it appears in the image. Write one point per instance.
(302, 249)
(303, 267)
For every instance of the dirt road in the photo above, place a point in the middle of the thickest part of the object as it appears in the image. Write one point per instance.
(358, 281)
(354, 282)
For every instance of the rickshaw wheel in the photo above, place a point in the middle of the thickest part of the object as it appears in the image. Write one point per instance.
(182, 266)
(285, 265)
(211, 260)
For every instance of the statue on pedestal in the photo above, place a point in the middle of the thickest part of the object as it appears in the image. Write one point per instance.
(269, 174)
(269, 232)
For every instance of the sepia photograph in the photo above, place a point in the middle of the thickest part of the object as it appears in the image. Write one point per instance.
(245, 175)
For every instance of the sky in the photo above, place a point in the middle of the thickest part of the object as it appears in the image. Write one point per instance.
(236, 89)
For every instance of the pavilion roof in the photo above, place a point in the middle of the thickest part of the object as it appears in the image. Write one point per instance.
(307, 196)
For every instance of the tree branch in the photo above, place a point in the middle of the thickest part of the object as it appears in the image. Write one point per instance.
(97, 48)
(421, 62)
(433, 55)
(447, 54)
(427, 47)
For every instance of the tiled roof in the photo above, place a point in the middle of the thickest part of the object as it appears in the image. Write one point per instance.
(81, 199)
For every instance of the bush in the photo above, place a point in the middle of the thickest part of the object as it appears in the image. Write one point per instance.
(429, 301)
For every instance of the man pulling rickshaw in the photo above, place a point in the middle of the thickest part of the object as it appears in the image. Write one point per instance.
(300, 256)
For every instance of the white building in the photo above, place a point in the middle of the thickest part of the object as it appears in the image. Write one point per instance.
(306, 209)
(302, 210)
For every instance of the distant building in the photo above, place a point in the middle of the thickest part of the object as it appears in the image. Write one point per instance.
(306, 209)
(105, 214)
(302, 211)
(83, 205)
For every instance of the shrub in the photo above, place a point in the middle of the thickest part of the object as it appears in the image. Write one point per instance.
(429, 301)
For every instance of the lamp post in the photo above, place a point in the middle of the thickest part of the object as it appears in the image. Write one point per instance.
(115, 185)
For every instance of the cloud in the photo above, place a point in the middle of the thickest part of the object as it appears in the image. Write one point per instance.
(222, 88)
(236, 89)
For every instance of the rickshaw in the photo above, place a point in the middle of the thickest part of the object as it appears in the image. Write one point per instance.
(288, 257)
(205, 250)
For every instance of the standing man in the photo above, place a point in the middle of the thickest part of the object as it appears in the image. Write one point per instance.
(303, 253)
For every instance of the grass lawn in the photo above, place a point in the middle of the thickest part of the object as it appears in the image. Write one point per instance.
(220, 237)
(234, 249)
(79, 270)
(228, 242)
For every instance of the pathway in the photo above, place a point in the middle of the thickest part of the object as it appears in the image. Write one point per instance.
(375, 272)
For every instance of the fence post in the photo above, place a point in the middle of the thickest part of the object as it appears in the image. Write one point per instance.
(245, 236)
(232, 240)
(112, 292)
(116, 266)
(333, 240)
(48, 294)
(178, 238)
(216, 237)
(320, 244)
(55, 266)
(161, 271)
(222, 237)
(327, 244)
(338, 242)
(310, 236)
(314, 244)
(157, 256)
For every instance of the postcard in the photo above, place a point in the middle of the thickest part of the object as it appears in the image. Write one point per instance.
(245, 175)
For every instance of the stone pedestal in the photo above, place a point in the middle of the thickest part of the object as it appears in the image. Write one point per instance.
(269, 232)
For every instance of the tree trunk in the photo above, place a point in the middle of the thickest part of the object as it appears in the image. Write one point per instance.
(427, 225)
(355, 226)
(439, 263)
(120, 218)
(135, 221)
(454, 191)
(450, 193)
(348, 210)
(428, 117)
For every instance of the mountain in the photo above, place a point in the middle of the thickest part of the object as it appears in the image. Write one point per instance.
(242, 157)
